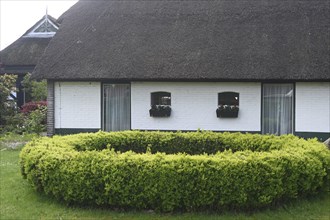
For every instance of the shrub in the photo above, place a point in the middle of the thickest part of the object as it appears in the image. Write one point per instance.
(35, 116)
(182, 142)
(32, 117)
(35, 121)
(14, 123)
(247, 171)
(31, 106)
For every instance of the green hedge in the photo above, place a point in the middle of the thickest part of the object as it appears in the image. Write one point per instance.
(193, 143)
(248, 171)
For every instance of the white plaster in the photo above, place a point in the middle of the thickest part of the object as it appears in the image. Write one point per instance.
(313, 107)
(78, 105)
(194, 106)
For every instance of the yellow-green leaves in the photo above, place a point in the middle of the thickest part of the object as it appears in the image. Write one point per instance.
(169, 171)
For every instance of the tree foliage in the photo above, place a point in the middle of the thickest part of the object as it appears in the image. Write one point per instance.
(7, 107)
(36, 89)
(7, 85)
(32, 117)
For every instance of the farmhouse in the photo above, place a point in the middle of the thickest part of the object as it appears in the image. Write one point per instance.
(249, 66)
(21, 57)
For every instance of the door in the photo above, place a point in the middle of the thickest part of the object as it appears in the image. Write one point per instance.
(116, 107)
(277, 109)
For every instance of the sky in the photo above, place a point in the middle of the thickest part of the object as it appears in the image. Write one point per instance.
(17, 16)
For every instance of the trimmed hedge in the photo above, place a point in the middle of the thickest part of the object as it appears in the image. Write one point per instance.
(216, 170)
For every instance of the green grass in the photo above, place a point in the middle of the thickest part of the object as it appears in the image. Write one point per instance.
(12, 140)
(20, 201)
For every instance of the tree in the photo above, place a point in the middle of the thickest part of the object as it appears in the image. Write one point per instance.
(7, 107)
(36, 89)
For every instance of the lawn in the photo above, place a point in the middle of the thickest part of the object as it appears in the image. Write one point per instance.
(20, 201)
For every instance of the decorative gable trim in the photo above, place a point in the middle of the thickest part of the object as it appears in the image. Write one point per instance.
(49, 27)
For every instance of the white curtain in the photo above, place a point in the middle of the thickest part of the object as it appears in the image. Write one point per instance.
(116, 114)
(277, 109)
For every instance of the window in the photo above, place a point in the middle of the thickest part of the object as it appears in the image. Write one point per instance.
(277, 108)
(160, 104)
(160, 98)
(228, 105)
(228, 98)
(116, 107)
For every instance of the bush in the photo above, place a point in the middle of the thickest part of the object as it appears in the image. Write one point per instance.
(248, 171)
(182, 142)
(33, 120)
(31, 106)
(15, 124)
(36, 120)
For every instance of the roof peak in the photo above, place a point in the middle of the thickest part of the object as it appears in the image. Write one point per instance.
(46, 27)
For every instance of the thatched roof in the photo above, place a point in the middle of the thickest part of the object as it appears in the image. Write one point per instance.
(239, 40)
(25, 51)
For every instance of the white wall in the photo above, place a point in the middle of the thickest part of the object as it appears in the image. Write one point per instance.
(194, 106)
(313, 107)
(78, 105)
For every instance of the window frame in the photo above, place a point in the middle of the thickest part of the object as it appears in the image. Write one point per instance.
(157, 99)
(293, 110)
(228, 104)
(159, 107)
(235, 94)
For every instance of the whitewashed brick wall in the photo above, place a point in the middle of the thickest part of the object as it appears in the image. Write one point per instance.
(194, 106)
(313, 107)
(78, 105)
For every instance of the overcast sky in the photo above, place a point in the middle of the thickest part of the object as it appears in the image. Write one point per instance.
(16, 17)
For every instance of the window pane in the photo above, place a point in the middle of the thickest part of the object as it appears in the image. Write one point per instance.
(45, 27)
(160, 98)
(116, 115)
(228, 98)
(277, 109)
